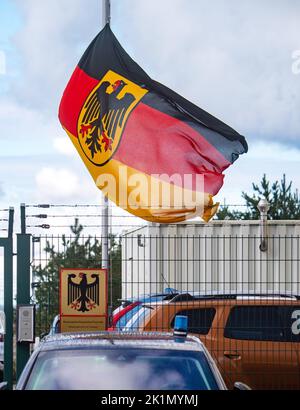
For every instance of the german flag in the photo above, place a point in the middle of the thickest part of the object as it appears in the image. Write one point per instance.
(151, 151)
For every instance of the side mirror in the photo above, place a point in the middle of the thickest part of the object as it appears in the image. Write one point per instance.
(36, 343)
(241, 386)
(3, 386)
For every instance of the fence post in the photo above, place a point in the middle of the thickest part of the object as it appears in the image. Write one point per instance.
(7, 243)
(23, 285)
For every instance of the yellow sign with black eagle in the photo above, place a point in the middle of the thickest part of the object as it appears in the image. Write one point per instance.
(83, 300)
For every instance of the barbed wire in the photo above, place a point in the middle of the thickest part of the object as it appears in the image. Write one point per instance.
(47, 226)
(112, 216)
(4, 219)
(44, 216)
(77, 215)
(143, 224)
(84, 216)
(240, 221)
(62, 205)
(119, 206)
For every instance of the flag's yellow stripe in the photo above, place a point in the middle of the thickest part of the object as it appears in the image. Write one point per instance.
(195, 203)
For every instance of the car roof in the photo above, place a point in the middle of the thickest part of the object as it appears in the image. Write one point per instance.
(187, 301)
(158, 340)
(217, 297)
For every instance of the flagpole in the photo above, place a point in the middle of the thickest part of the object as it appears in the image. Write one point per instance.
(105, 12)
(105, 221)
(105, 20)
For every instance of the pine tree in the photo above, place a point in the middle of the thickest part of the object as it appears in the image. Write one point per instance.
(284, 202)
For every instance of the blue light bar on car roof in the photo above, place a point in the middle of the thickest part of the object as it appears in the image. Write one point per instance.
(171, 291)
(180, 328)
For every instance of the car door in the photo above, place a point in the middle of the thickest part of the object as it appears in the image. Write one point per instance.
(256, 350)
(201, 323)
(290, 316)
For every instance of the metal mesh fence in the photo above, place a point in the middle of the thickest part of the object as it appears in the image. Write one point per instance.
(243, 303)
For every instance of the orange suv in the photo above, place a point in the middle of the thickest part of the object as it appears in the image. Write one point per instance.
(253, 338)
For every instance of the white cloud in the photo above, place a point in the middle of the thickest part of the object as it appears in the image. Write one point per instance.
(272, 159)
(57, 184)
(64, 146)
(54, 35)
(63, 186)
(273, 151)
(24, 130)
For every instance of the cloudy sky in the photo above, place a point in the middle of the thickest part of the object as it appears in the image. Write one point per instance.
(232, 58)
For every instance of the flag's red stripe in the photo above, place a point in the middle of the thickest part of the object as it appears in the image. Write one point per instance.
(156, 143)
(75, 94)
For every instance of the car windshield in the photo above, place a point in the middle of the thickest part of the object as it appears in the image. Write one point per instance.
(121, 369)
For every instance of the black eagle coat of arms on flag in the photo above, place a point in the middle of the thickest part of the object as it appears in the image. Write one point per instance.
(104, 113)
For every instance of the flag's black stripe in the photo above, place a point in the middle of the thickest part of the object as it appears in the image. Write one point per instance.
(230, 149)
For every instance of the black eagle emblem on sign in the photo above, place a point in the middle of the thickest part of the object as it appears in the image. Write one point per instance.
(105, 112)
(83, 296)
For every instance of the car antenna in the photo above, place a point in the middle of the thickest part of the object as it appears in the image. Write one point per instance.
(168, 284)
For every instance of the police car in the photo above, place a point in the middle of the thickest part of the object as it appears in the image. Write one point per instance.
(122, 361)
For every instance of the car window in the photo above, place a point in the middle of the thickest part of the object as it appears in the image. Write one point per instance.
(199, 320)
(137, 322)
(263, 323)
(131, 313)
(290, 316)
(121, 368)
(125, 318)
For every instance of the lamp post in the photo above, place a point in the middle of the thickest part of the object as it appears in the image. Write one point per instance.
(263, 207)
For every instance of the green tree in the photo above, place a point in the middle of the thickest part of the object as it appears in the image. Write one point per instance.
(72, 252)
(284, 201)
